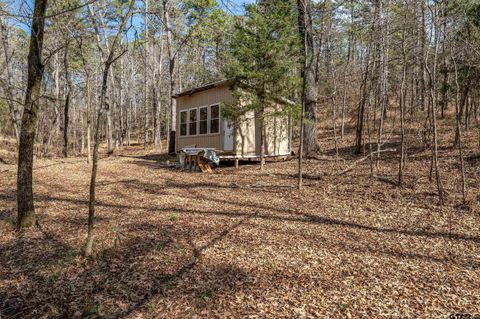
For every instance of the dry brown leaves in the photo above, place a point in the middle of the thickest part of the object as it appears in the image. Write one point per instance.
(243, 243)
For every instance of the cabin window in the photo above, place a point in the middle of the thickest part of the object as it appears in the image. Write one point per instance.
(183, 123)
(214, 119)
(203, 120)
(192, 123)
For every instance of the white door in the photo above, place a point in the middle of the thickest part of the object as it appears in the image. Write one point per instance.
(227, 135)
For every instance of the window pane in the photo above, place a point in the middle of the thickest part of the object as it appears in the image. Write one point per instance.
(214, 126)
(183, 117)
(193, 115)
(193, 122)
(203, 127)
(193, 128)
(214, 119)
(214, 112)
(203, 113)
(183, 123)
(183, 129)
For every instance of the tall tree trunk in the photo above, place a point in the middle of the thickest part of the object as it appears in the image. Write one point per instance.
(344, 101)
(467, 113)
(261, 117)
(332, 88)
(13, 108)
(173, 108)
(433, 88)
(171, 58)
(25, 206)
(364, 88)
(56, 105)
(444, 90)
(103, 107)
(458, 131)
(108, 111)
(91, 203)
(131, 100)
(423, 84)
(67, 102)
(349, 57)
(66, 123)
(104, 49)
(145, 79)
(361, 108)
(463, 103)
(311, 144)
(300, 146)
(384, 59)
(123, 108)
(89, 121)
(74, 124)
(156, 100)
(402, 105)
(82, 132)
(156, 119)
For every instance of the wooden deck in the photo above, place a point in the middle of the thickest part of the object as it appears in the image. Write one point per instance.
(198, 163)
(253, 157)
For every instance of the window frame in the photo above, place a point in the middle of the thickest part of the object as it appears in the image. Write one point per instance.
(186, 123)
(210, 119)
(207, 120)
(196, 125)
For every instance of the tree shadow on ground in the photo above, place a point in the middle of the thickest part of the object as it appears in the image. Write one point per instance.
(52, 279)
(308, 217)
(160, 161)
(295, 215)
(415, 153)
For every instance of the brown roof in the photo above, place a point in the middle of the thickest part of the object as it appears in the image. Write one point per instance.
(211, 85)
(203, 88)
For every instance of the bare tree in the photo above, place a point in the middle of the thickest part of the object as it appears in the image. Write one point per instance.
(146, 82)
(171, 68)
(459, 129)
(402, 104)
(25, 206)
(110, 59)
(67, 101)
(309, 95)
(15, 113)
(432, 74)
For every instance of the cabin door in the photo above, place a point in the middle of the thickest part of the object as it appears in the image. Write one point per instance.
(227, 135)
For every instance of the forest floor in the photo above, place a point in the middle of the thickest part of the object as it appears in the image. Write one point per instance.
(241, 243)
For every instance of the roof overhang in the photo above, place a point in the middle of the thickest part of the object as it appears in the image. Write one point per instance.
(205, 87)
(212, 85)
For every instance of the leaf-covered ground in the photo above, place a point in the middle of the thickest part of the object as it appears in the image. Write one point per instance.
(243, 243)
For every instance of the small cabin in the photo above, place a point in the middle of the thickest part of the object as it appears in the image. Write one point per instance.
(200, 124)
